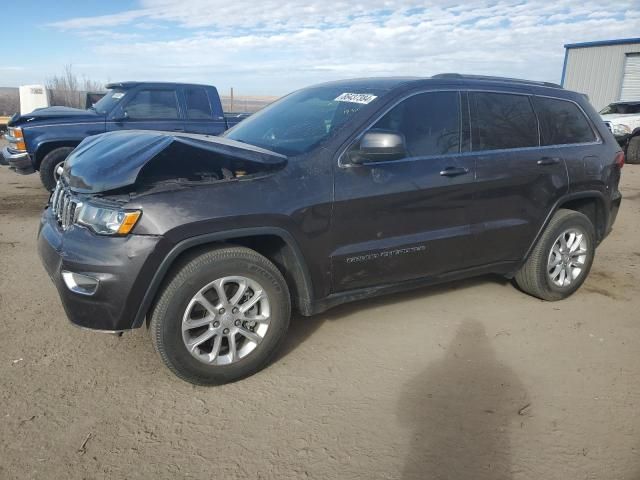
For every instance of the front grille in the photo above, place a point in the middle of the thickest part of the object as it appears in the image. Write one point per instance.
(64, 206)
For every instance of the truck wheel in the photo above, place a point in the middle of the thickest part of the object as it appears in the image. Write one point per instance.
(562, 258)
(221, 316)
(49, 166)
(633, 150)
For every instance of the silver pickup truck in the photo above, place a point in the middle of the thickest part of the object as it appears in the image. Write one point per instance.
(623, 119)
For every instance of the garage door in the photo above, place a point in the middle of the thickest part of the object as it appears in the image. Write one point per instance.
(631, 81)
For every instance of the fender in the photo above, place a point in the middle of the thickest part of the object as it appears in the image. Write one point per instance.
(41, 136)
(303, 283)
(62, 142)
(562, 200)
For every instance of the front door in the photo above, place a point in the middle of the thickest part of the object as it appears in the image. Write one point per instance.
(408, 218)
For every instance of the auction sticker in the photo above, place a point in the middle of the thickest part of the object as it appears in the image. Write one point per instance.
(363, 98)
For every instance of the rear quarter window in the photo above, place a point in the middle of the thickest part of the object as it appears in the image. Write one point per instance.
(562, 122)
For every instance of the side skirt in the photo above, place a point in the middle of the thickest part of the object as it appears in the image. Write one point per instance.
(502, 268)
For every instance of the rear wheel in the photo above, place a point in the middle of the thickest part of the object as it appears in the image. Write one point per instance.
(221, 316)
(51, 165)
(633, 150)
(562, 258)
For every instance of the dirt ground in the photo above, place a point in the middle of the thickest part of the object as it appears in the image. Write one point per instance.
(469, 380)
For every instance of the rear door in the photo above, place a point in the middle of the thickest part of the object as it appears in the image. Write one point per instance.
(566, 131)
(203, 113)
(517, 182)
(407, 218)
(148, 108)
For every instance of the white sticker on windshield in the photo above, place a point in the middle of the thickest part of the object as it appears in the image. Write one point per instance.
(363, 98)
(117, 95)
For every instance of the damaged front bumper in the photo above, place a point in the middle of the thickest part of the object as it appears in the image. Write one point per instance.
(101, 280)
(18, 161)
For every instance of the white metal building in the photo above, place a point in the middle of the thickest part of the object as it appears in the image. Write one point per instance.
(607, 71)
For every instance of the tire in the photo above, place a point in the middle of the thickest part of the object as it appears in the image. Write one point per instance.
(177, 298)
(534, 277)
(49, 164)
(633, 150)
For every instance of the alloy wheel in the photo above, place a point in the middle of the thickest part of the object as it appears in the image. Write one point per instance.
(226, 320)
(567, 257)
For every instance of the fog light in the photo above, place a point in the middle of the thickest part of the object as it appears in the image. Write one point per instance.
(82, 284)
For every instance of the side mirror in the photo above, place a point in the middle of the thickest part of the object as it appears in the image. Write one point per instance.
(379, 146)
(120, 116)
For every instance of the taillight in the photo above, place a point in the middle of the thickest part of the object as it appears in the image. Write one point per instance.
(619, 161)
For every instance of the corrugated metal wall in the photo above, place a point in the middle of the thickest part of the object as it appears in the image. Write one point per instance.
(597, 71)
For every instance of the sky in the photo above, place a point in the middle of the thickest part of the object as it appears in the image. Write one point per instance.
(271, 47)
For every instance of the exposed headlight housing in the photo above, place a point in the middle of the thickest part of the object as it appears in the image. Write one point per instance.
(107, 220)
(620, 129)
(16, 138)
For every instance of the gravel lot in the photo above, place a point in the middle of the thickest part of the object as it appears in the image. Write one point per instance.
(469, 380)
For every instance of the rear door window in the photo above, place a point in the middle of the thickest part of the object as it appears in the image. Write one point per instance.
(430, 123)
(562, 122)
(153, 105)
(198, 106)
(501, 121)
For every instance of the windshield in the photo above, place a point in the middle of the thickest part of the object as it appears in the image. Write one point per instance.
(300, 121)
(620, 109)
(106, 103)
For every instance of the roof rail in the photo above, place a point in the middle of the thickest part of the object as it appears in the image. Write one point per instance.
(497, 79)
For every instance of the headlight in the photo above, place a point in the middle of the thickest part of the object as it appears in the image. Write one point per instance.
(107, 220)
(621, 129)
(17, 138)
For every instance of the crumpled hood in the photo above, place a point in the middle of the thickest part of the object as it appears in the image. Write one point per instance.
(114, 160)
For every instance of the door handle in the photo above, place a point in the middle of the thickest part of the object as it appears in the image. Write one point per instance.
(549, 161)
(454, 171)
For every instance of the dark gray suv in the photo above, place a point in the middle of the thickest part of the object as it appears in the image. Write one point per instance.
(334, 193)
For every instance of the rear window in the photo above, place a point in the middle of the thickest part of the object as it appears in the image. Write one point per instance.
(562, 122)
(500, 121)
(198, 106)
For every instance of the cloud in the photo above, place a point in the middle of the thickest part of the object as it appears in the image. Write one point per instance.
(274, 46)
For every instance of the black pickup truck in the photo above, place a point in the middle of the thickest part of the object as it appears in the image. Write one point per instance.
(334, 193)
(42, 140)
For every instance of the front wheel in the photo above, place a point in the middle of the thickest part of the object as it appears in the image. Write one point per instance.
(51, 165)
(633, 150)
(221, 316)
(562, 258)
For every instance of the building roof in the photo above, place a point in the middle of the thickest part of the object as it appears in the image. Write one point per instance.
(602, 43)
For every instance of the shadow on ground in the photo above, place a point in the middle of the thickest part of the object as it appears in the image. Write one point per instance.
(302, 328)
(460, 409)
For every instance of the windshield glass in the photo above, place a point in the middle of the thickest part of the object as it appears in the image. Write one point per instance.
(620, 109)
(106, 103)
(300, 121)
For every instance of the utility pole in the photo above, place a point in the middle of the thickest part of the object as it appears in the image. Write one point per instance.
(231, 107)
